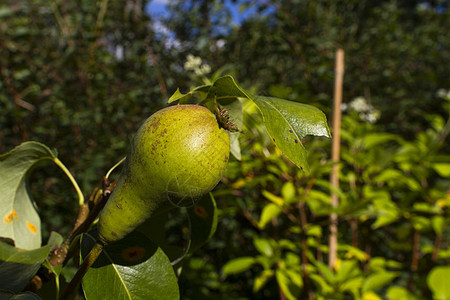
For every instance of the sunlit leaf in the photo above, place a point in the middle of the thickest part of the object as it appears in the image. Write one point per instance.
(185, 98)
(370, 296)
(375, 139)
(288, 123)
(19, 218)
(269, 212)
(238, 265)
(443, 169)
(399, 293)
(275, 199)
(378, 280)
(263, 246)
(261, 279)
(131, 269)
(290, 283)
(438, 282)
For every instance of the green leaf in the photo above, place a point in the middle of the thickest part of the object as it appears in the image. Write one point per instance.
(353, 252)
(443, 169)
(288, 191)
(263, 246)
(22, 296)
(261, 279)
(155, 229)
(275, 199)
(269, 212)
(19, 266)
(437, 280)
(203, 221)
(353, 285)
(133, 268)
(386, 210)
(19, 219)
(375, 139)
(347, 271)
(420, 223)
(226, 87)
(320, 282)
(290, 283)
(199, 91)
(326, 272)
(389, 175)
(288, 123)
(238, 265)
(378, 280)
(438, 222)
(399, 293)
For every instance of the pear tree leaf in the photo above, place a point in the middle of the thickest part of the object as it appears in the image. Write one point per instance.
(21, 296)
(262, 279)
(378, 280)
(203, 220)
(269, 212)
(287, 122)
(238, 265)
(199, 91)
(263, 246)
(375, 139)
(133, 268)
(437, 281)
(19, 218)
(442, 168)
(399, 293)
(19, 266)
(290, 282)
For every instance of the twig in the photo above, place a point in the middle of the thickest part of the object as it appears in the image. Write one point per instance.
(87, 263)
(437, 245)
(334, 178)
(84, 221)
(415, 251)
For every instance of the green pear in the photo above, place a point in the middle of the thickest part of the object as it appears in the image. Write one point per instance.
(177, 155)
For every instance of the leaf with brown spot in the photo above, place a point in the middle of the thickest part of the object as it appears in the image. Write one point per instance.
(20, 221)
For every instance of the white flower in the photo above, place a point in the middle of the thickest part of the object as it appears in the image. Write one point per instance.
(365, 110)
(360, 104)
(372, 116)
(443, 93)
(196, 65)
(192, 62)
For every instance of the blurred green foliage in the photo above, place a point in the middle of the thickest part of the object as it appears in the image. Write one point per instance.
(80, 76)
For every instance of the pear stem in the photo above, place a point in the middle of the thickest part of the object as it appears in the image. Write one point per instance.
(84, 267)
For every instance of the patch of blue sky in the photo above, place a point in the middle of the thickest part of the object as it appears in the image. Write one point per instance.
(158, 8)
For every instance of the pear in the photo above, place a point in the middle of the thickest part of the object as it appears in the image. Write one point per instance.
(176, 156)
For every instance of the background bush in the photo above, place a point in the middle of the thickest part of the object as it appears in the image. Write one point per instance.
(81, 76)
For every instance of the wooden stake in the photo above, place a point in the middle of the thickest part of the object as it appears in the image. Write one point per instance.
(335, 153)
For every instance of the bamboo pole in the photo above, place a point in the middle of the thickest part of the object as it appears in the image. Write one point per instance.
(335, 153)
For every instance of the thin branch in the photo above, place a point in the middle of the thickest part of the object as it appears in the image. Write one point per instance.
(85, 218)
(334, 178)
